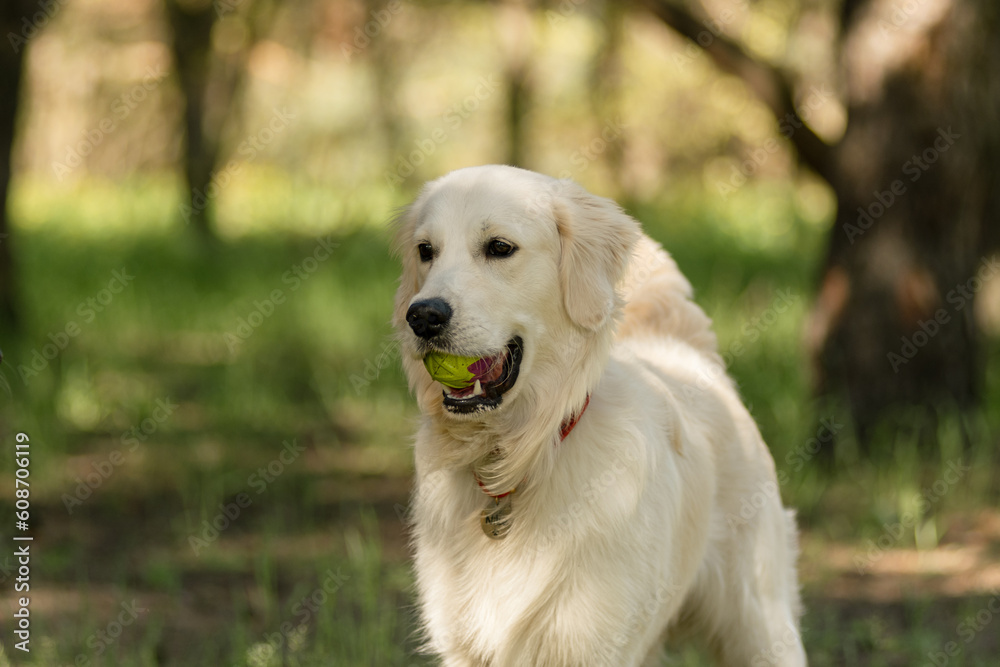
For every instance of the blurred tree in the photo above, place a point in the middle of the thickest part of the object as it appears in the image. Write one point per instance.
(211, 40)
(18, 27)
(606, 84)
(917, 180)
(917, 176)
(385, 58)
(516, 38)
(191, 23)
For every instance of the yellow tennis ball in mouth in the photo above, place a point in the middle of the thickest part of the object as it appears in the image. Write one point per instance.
(450, 370)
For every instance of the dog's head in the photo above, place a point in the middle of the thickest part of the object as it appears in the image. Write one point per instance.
(510, 266)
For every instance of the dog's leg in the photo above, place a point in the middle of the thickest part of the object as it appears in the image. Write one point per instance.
(760, 624)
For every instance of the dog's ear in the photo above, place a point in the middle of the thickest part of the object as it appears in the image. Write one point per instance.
(596, 239)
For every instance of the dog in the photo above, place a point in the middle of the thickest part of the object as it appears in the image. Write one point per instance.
(601, 488)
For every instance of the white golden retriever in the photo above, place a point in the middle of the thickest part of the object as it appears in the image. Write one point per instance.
(601, 487)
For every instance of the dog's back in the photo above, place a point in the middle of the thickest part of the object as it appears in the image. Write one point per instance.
(659, 311)
(658, 301)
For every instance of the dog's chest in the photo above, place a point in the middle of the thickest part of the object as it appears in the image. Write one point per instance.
(490, 591)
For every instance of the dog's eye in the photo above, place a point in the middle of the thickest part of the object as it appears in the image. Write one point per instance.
(499, 248)
(426, 251)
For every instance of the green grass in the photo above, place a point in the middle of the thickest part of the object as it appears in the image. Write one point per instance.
(163, 382)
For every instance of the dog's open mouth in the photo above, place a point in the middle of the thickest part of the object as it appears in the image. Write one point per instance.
(494, 376)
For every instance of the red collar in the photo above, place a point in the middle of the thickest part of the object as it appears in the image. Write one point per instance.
(570, 422)
(565, 429)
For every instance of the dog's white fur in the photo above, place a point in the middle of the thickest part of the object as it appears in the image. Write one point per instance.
(659, 514)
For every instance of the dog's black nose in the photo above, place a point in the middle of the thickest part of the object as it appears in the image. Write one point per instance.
(428, 318)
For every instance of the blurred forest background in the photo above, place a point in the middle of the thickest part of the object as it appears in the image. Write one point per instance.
(195, 291)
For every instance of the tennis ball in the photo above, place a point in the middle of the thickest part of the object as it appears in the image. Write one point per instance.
(450, 370)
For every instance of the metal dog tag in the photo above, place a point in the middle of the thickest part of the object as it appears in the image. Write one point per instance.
(496, 520)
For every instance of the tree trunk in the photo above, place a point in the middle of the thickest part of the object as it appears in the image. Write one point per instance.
(916, 177)
(12, 27)
(516, 41)
(606, 95)
(208, 81)
(191, 43)
(917, 180)
(385, 56)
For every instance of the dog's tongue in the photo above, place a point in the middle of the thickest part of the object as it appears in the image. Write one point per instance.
(487, 369)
